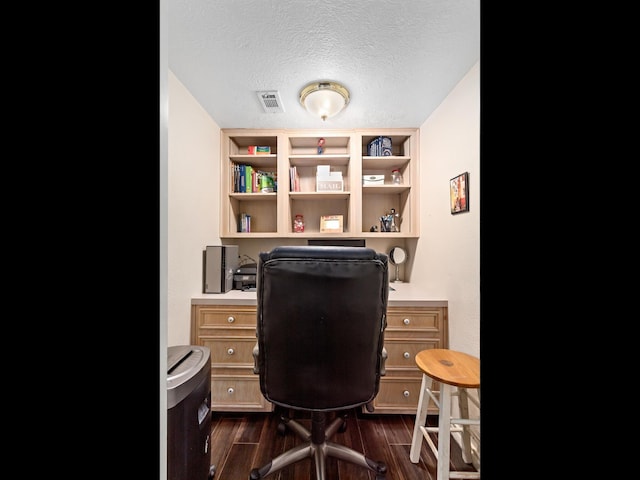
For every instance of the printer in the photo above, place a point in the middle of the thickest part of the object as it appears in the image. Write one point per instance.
(244, 277)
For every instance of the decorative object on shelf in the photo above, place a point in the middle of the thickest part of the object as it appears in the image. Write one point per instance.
(324, 99)
(397, 256)
(328, 181)
(373, 180)
(267, 182)
(321, 143)
(331, 224)
(390, 222)
(380, 147)
(396, 177)
(459, 193)
(258, 150)
(298, 224)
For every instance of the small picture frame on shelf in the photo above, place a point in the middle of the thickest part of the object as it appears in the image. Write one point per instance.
(459, 193)
(331, 224)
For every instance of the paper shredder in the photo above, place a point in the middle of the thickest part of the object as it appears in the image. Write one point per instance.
(189, 413)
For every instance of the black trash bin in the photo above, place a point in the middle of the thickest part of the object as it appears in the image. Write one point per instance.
(189, 413)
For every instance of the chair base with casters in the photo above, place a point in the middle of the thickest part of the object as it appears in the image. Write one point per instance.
(319, 447)
(456, 372)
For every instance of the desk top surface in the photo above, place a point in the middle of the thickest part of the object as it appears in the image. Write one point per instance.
(402, 295)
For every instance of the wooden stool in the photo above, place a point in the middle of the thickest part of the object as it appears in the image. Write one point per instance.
(451, 369)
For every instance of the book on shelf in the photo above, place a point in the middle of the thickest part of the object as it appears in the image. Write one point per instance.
(248, 172)
(294, 179)
(243, 179)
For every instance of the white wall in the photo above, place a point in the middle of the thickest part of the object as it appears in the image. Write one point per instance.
(193, 203)
(448, 251)
(447, 255)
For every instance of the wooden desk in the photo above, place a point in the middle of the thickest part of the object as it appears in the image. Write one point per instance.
(226, 323)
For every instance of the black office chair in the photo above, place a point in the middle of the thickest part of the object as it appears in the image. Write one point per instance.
(321, 319)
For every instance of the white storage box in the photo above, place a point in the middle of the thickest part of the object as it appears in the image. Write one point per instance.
(328, 181)
(373, 180)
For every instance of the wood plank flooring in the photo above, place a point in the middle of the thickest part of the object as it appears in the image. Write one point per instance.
(243, 441)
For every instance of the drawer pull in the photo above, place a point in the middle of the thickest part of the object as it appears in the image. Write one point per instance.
(406, 321)
(231, 319)
(230, 390)
(406, 355)
(406, 393)
(230, 351)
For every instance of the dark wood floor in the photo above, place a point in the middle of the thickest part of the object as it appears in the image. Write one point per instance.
(241, 442)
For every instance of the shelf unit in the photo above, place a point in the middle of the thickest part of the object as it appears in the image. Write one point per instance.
(262, 207)
(361, 206)
(302, 153)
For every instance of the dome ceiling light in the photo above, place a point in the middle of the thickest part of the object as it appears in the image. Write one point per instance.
(324, 99)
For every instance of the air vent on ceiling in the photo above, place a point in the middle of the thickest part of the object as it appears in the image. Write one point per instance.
(270, 101)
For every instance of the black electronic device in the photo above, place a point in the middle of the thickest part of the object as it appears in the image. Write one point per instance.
(338, 242)
(244, 278)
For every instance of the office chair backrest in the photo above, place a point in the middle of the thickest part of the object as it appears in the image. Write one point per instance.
(321, 319)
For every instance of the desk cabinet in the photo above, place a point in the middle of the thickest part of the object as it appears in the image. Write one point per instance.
(230, 332)
(409, 330)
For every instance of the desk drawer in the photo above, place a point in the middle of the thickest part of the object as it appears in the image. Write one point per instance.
(225, 316)
(399, 395)
(414, 318)
(237, 394)
(402, 353)
(230, 351)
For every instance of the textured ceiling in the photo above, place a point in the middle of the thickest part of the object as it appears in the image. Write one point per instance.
(398, 58)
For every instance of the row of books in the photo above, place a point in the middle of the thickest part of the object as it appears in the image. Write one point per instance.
(244, 225)
(294, 180)
(247, 179)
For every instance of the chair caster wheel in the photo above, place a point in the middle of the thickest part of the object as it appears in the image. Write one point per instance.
(282, 428)
(381, 470)
(212, 472)
(343, 425)
(255, 474)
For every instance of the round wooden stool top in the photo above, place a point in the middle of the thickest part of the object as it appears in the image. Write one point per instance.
(450, 367)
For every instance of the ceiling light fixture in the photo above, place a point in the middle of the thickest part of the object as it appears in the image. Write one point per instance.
(324, 99)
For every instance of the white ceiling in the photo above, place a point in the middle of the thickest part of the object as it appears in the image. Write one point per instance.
(398, 58)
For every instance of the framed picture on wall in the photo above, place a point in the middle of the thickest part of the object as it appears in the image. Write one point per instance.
(459, 193)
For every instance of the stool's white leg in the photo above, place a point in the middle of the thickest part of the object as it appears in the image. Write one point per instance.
(463, 405)
(444, 432)
(421, 417)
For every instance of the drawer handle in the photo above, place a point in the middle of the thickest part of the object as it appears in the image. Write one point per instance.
(406, 355)
(406, 393)
(406, 321)
(230, 390)
(230, 351)
(231, 319)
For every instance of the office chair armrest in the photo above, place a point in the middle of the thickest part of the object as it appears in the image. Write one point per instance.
(384, 359)
(256, 352)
